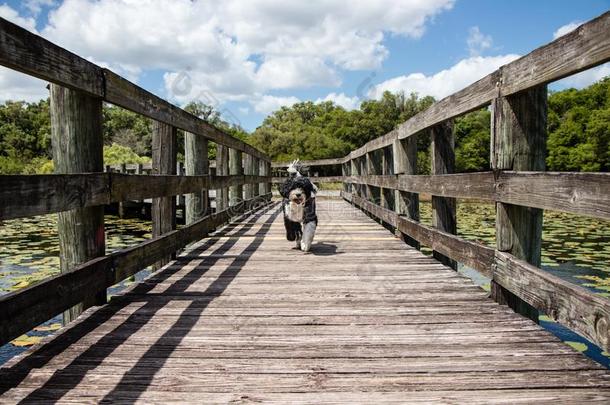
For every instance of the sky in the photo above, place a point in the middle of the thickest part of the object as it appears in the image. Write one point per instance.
(248, 58)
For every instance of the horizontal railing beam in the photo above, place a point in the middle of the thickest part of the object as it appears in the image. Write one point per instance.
(573, 306)
(27, 195)
(314, 179)
(22, 310)
(29, 53)
(578, 193)
(320, 162)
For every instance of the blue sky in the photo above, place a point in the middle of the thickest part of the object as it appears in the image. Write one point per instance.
(250, 58)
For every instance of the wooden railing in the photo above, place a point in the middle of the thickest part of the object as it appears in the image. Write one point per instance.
(380, 178)
(81, 187)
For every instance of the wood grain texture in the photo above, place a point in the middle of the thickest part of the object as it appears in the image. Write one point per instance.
(196, 164)
(31, 54)
(442, 158)
(573, 306)
(518, 137)
(368, 321)
(26, 195)
(76, 137)
(475, 255)
(236, 168)
(164, 151)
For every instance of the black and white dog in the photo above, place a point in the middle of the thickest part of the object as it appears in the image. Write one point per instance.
(299, 204)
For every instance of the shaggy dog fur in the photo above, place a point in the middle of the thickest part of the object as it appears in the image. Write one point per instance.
(299, 204)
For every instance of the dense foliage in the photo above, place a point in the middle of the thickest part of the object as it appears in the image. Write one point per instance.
(578, 124)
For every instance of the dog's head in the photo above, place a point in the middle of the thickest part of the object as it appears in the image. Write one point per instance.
(297, 189)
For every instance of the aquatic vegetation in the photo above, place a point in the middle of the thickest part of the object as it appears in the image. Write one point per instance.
(26, 340)
(581, 347)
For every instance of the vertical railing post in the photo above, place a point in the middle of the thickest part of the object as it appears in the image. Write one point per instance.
(123, 170)
(443, 162)
(405, 162)
(255, 172)
(354, 172)
(261, 172)
(77, 146)
(222, 169)
(519, 143)
(345, 185)
(196, 164)
(236, 168)
(163, 162)
(248, 188)
(387, 168)
(268, 173)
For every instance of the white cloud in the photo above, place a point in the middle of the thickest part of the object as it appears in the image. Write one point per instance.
(349, 103)
(233, 49)
(565, 29)
(585, 78)
(7, 12)
(36, 6)
(18, 86)
(477, 42)
(445, 82)
(266, 104)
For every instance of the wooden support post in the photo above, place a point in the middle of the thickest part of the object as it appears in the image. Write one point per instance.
(222, 169)
(268, 173)
(355, 188)
(405, 162)
(196, 164)
(387, 168)
(163, 162)
(236, 168)
(261, 171)
(139, 171)
(248, 188)
(443, 162)
(345, 185)
(77, 145)
(255, 172)
(123, 170)
(519, 143)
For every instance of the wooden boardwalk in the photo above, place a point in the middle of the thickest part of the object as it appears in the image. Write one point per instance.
(243, 317)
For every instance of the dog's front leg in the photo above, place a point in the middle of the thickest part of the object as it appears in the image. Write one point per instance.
(309, 231)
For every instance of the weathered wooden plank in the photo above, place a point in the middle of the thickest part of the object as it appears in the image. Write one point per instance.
(475, 255)
(585, 47)
(26, 195)
(518, 142)
(311, 163)
(236, 168)
(578, 193)
(442, 153)
(196, 159)
(31, 54)
(123, 93)
(22, 310)
(164, 151)
(576, 307)
(76, 135)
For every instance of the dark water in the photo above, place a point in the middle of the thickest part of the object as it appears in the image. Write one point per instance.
(29, 252)
(574, 248)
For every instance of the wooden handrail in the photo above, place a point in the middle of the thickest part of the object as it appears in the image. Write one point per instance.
(27, 195)
(29, 53)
